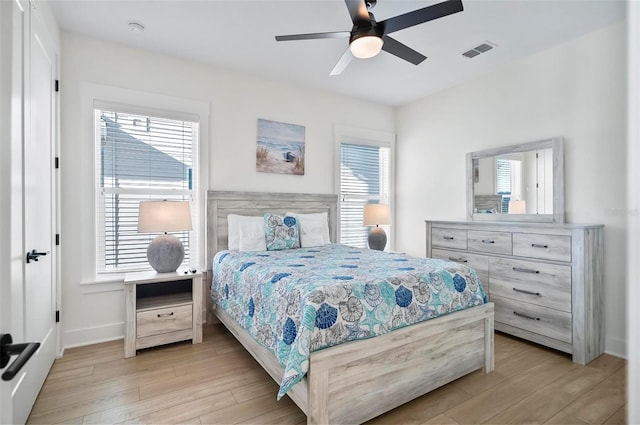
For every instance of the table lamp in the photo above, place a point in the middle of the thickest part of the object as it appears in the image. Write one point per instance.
(517, 207)
(165, 252)
(377, 215)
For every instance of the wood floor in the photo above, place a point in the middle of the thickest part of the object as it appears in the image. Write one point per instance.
(217, 382)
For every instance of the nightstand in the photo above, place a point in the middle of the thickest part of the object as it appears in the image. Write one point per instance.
(161, 308)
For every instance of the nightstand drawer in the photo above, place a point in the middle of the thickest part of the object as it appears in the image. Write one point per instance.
(534, 318)
(548, 285)
(545, 247)
(164, 320)
(449, 238)
(489, 241)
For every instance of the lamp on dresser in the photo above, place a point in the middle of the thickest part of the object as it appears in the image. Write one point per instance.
(377, 215)
(517, 207)
(165, 252)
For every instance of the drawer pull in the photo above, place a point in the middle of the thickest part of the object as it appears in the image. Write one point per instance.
(523, 270)
(449, 238)
(488, 241)
(539, 245)
(525, 316)
(166, 314)
(458, 260)
(524, 291)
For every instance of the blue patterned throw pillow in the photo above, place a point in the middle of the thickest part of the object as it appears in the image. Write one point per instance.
(281, 232)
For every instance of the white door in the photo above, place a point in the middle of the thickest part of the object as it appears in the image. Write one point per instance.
(30, 293)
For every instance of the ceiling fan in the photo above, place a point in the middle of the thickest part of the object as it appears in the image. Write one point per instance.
(368, 37)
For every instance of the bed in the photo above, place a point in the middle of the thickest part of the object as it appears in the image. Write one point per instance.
(360, 379)
(488, 204)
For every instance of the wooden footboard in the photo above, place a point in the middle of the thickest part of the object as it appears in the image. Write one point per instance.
(359, 380)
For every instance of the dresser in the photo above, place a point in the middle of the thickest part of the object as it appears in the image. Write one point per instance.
(544, 279)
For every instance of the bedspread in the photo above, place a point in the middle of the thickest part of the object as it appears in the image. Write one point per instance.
(297, 301)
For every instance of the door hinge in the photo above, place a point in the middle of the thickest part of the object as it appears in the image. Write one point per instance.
(57, 316)
(57, 239)
(56, 162)
(57, 84)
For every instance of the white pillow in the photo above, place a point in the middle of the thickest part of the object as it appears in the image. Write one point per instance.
(312, 226)
(252, 237)
(233, 228)
(308, 240)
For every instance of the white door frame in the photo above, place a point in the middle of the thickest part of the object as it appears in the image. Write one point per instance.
(20, 24)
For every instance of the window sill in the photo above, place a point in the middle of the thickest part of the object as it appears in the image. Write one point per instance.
(103, 284)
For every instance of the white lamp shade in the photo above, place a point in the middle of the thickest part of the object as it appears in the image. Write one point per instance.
(164, 216)
(377, 215)
(366, 46)
(517, 207)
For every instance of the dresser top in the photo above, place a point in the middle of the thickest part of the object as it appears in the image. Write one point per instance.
(506, 226)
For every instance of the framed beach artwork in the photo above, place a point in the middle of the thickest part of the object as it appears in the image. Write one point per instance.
(280, 148)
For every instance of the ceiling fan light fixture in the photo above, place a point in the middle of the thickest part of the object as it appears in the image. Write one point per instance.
(366, 46)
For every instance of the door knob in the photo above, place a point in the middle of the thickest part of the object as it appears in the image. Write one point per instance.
(23, 351)
(33, 255)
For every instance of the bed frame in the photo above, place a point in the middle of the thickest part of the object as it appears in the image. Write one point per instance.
(359, 380)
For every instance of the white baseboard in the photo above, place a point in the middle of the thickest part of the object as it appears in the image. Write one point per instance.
(616, 347)
(94, 335)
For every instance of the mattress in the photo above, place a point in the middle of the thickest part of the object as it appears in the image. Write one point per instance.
(297, 301)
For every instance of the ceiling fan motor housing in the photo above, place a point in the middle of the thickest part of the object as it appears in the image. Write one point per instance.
(358, 32)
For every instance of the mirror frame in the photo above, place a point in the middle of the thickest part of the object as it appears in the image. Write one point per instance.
(557, 146)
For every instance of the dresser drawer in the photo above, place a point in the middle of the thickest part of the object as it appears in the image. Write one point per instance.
(534, 318)
(487, 241)
(543, 284)
(449, 238)
(545, 247)
(480, 263)
(164, 320)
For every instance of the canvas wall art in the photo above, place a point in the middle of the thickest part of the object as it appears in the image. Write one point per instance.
(280, 148)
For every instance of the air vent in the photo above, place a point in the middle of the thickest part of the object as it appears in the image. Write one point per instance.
(470, 53)
(482, 48)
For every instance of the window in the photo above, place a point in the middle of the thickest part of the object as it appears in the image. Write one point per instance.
(365, 177)
(140, 157)
(508, 181)
(503, 182)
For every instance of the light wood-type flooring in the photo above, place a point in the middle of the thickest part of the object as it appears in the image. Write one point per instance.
(218, 382)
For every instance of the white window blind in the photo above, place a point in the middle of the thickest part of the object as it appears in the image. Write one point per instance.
(503, 182)
(140, 157)
(364, 178)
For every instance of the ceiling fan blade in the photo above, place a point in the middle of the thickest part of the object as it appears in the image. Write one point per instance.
(358, 11)
(421, 16)
(313, 36)
(345, 60)
(402, 51)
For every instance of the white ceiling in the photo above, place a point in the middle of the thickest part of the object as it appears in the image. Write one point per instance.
(239, 35)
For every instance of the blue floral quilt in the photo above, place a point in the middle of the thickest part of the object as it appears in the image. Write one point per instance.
(301, 300)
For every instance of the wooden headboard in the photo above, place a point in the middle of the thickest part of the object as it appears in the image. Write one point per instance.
(222, 203)
(488, 202)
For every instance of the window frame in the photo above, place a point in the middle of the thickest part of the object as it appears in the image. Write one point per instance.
(133, 101)
(102, 192)
(366, 137)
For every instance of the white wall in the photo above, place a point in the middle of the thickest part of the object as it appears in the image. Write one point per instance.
(94, 312)
(576, 90)
(633, 209)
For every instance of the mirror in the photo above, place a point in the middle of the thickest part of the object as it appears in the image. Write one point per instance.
(517, 183)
